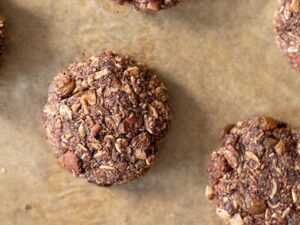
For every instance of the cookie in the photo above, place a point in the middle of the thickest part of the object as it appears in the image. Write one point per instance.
(104, 118)
(255, 175)
(150, 5)
(2, 34)
(287, 29)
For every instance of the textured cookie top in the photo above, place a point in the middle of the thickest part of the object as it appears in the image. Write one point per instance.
(104, 117)
(2, 34)
(151, 5)
(287, 27)
(255, 175)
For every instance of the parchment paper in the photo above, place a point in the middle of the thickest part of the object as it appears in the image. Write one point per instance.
(219, 61)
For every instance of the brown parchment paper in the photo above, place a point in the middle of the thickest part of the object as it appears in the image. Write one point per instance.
(219, 61)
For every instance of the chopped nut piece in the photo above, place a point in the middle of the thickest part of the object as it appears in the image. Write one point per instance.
(121, 145)
(226, 130)
(101, 155)
(231, 158)
(82, 147)
(133, 121)
(50, 109)
(209, 193)
(75, 107)
(85, 108)
(133, 70)
(286, 212)
(153, 111)
(71, 162)
(65, 112)
(280, 147)
(100, 74)
(66, 84)
(90, 97)
(223, 214)
(81, 130)
(295, 5)
(140, 154)
(251, 156)
(236, 220)
(270, 143)
(90, 79)
(95, 130)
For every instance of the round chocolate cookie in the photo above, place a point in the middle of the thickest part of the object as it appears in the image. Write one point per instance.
(2, 34)
(104, 118)
(255, 175)
(151, 5)
(287, 27)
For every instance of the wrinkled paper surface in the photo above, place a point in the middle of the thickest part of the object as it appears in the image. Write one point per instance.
(219, 61)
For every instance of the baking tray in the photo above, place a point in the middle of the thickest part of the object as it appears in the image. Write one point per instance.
(219, 61)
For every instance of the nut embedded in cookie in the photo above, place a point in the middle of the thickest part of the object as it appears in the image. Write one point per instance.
(255, 174)
(104, 117)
